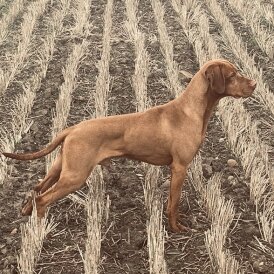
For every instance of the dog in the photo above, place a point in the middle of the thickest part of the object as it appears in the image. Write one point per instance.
(169, 134)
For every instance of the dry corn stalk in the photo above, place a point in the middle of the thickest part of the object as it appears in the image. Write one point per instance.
(95, 204)
(103, 79)
(167, 49)
(23, 104)
(221, 214)
(20, 123)
(252, 18)
(55, 22)
(263, 94)
(156, 238)
(33, 233)
(8, 18)
(35, 10)
(97, 208)
(141, 72)
(81, 17)
(265, 10)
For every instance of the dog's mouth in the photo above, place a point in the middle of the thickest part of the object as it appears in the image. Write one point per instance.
(237, 96)
(244, 94)
(247, 93)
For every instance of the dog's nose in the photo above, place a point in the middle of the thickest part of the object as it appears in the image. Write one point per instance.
(253, 84)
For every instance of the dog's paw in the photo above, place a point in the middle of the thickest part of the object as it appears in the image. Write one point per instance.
(27, 208)
(27, 204)
(178, 228)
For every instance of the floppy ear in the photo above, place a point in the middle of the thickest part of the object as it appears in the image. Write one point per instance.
(215, 77)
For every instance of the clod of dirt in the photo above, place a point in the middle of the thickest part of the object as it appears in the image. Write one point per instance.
(4, 250)
(260, 265)
(252, 230)
(47, 93)
(7, 271)
(42, 112)
(207, 171)
(9, 240)
(35, 128)
(234, 182)
(14, 231)
(232, 163)
(154, 44)
(141, 244)
(10, 260)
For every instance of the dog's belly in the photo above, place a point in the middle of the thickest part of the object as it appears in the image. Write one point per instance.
(159, 160)
(149, 150)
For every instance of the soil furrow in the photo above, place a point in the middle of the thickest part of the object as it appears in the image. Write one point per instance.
(70, 215)
(210, 166)
(156, 87)
(31, 66)
(234, 186)
(24, 174)
(259, 114)
(12, 39)
(123, 247)
(262, 60)
(191, 247)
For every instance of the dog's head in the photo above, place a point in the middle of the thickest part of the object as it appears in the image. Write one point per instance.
(225, 80)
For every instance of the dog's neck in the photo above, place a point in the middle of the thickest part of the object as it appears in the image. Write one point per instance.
(200, 99)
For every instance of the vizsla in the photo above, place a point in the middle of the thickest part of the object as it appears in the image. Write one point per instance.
(170, 134)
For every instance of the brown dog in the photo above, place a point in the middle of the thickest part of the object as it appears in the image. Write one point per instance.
(170, 134)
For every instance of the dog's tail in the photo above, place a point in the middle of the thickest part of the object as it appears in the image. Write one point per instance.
(38, 154)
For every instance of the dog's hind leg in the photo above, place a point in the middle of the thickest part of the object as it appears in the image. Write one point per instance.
(77, 164)
(52, 177)
(67, 183)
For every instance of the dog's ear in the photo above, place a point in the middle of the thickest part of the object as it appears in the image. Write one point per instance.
(215, 78)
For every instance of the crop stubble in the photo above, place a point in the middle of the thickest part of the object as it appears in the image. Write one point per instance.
(124, 247)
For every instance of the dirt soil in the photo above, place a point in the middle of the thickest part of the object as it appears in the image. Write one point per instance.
(124, 243)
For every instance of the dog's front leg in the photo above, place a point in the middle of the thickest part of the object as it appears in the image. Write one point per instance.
(178, 174)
